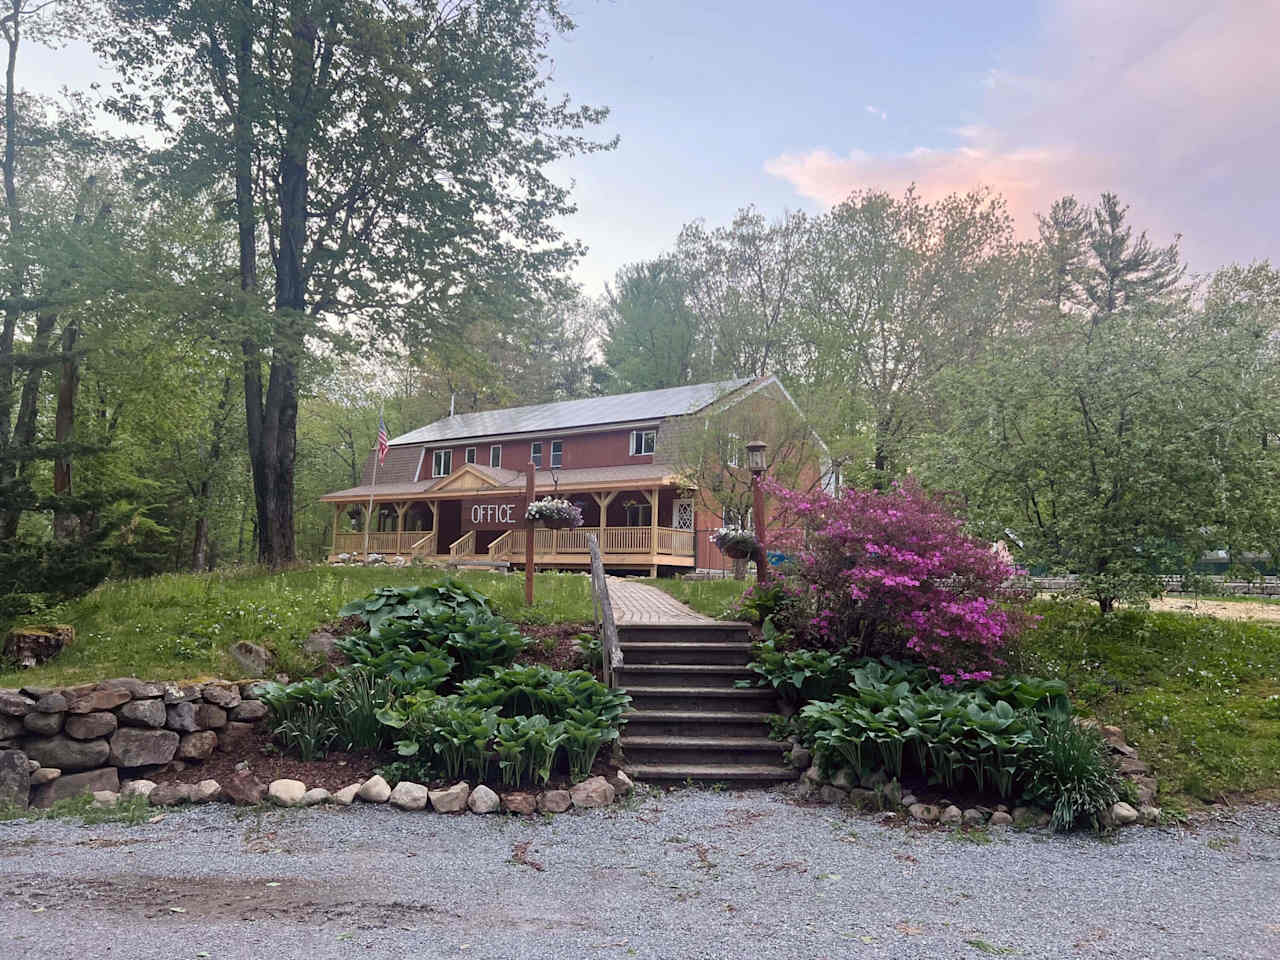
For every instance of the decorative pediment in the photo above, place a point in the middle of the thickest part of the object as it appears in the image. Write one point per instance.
(467, 477)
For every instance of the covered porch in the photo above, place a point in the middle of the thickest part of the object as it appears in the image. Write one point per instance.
(474, 518)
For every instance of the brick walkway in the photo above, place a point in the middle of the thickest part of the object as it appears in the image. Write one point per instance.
(640, 603)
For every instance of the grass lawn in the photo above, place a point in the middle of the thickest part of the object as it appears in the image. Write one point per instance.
(180, 626)
(711, 598)
(1198, 696)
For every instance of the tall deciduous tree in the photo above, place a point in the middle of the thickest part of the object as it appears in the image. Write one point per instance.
(384, 157)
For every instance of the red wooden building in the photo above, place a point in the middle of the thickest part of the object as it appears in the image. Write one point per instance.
(455, 489)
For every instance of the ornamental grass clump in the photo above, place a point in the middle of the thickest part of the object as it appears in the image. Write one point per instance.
(892, 573)
(1066, 770)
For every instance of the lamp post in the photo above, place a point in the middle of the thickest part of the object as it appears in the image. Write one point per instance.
(756, 464)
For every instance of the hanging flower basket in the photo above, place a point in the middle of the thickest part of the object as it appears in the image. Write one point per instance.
(735, 542)
(554, 514)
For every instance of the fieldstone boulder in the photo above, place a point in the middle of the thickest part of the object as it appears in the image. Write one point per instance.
(251, 658)
(15, 704)
(68, 754)
(15, 778)
(951, 815)
(105, 798)
(873, 780)
(252, 689)
(43, 724)
(52, 702)
(892, 793)
(248, 711)
(198, 745)
(32, 645)
(11, 727)
(621, 783)
(137, 788)
(590, 793)
(143, 713)
(180, 692)
(924, 812)
(181, 716)
(451, 799)
(483, 800)
(138, 747)
(207, 790)
(324, 645)
(73, 784)
(221, 693)
(554, 801)
(138, 689)
(347, 795)
(210, 717)
(374, 790)
(1123, 814)
(1001, 819)
(519, 802)
(103, 698)
(1132, 766)
(314, 796)
(830, 793)
(172, 794)
(409, 796)
(43, 775)
(813, 774)
(244, 788)
(974, 817)
(90, 726)
(1149, 815)
(801, 757)
(845, 779)
(236, 737)
(286, 793)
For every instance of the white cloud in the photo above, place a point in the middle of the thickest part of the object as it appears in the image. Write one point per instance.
(876, 112)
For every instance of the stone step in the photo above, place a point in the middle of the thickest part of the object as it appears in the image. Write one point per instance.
(713, 631)
(710, 772)
(724, 699)
(752, 751)
(650, 722)
(700, 654)
(681, 674)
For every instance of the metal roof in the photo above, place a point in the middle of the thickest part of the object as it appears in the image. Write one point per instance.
(620, 408)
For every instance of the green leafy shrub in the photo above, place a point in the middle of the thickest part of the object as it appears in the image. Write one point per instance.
(591, 648)
(526, 748)
(1066, 769)
(456, 733)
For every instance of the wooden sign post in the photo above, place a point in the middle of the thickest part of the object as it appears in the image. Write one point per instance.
(528, 536)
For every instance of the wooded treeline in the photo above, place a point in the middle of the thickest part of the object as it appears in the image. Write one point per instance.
(329, 209)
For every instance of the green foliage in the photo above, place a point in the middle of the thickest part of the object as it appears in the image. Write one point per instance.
(526, 748)
(1190, 692)
(711, 598)
(591, 647)
(1066, 769)
(455, 731)
(892, 713)
(797, 675)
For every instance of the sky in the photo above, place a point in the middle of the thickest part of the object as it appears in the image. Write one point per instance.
(1172, 104)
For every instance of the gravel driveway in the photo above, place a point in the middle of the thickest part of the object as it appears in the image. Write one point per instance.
(686, 875)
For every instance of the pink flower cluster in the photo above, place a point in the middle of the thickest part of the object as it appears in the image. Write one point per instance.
(894, 573)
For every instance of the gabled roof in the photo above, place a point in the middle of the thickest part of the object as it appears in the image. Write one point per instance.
(593, 411)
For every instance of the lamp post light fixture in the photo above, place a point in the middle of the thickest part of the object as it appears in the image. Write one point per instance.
(756, 463)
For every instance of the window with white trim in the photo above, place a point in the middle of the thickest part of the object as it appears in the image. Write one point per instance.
(441, 463)
(557, 453)
(731, 454)
(471, 454)
(535, 453)
(495, 455)
(643, 442)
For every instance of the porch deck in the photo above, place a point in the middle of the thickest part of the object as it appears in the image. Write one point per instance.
(620, 547)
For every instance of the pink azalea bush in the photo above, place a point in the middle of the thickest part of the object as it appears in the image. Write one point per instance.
(894, 574)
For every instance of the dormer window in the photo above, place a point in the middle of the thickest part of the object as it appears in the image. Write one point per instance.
(643, 442)
(441, 463)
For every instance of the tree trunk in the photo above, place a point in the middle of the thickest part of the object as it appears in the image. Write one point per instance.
(64, 521)
(24, 428)
(204, 493)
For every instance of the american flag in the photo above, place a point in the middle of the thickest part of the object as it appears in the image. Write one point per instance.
(383, 446)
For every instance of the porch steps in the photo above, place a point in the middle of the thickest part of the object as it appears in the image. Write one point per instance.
(688, 719)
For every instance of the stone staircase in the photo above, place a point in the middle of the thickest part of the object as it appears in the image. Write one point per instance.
(688, 720)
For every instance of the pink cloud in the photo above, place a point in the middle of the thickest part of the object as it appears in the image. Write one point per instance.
(1171, 103)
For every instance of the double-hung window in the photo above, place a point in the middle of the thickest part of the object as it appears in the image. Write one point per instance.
(441, 463)
(535, 453)
(471, 454)
(495, 455)
(643, 442)
(557, 453)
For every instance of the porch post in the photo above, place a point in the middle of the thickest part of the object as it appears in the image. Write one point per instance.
(401, 508)
(528, 536)
(337, 515)
(653, 533)
(603, 500)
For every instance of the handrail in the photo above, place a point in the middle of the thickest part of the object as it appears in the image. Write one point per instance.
(609, 647)
(499, 545)
(425, 545)
(464, 546)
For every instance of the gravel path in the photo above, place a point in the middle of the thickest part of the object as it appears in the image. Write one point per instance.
(693, 874)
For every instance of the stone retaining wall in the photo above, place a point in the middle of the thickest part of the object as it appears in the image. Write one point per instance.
(84, 738)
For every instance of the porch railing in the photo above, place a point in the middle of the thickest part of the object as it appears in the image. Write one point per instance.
(615, 540)
(463, 547)
(609, 646)
(411, 542)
